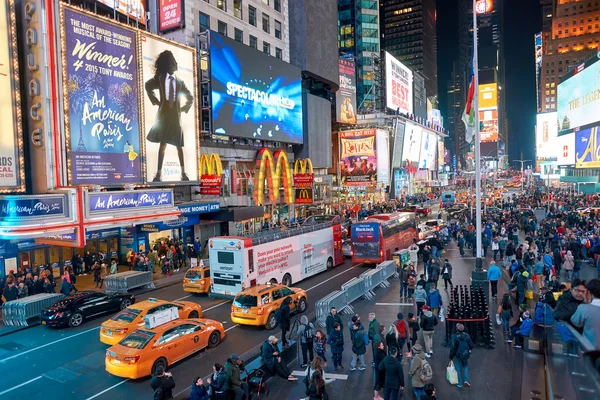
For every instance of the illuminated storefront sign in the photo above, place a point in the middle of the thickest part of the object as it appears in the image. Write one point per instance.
(304, 196)
(275, 169)
(304, 178)
(211, 174)
(27, 207)
(108, 201)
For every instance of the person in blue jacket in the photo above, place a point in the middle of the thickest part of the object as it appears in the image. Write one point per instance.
(199, 391)
(494, 274)
(523, 331)
(434, 300)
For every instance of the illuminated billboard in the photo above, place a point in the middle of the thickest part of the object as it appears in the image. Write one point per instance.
(358, 157)
(398, 85)
(579, 99)
(566, 149)
(428, 150)
(538, 67)
(586, 148)
(484, 6)
(412, 142)
(488, 121)
(546, 131)
(488, 96)
(345, 97)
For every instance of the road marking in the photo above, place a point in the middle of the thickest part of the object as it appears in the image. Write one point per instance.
(231, 327)
(184, 297)
(327, 376)
(327, 280)
(213, 307)
(48, 344)
(394, 304)
(22, 384)
(106, 390)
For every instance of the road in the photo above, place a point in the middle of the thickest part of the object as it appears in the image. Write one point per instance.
(47, 363)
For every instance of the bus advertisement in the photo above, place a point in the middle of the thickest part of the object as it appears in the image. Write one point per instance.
(374, 240)
(275, 256)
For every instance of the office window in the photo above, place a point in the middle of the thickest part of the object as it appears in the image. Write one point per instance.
(222, 28)
(222, 4)
(277, 5)
(204, 22)
(253, 42)
(277, 29)
(266, 48)
(252, 15)
(278, 53)
(239, 35)
(266, 23)
(237, 9)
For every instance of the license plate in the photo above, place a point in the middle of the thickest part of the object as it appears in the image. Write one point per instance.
(109, 332)
(227, 293)
(43, 322)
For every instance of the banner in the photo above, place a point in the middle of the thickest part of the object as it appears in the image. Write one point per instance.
(358, 160)
(586, 148)
(100, 78)
(428, 150)
(412, 142)
(566, 147)
(488, 120)
(546, 131)
(170, 15)
(105, 201)
(132, 8)
(303, 173)
(345, 98)
(211, 174)
(304, 196)
(399, 85)
(170, 104)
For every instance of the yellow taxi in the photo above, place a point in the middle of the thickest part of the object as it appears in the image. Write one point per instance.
(256, 306)
(197, 280)
(132, 318)
(144, 350)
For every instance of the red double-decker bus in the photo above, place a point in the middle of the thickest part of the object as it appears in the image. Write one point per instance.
(374, 240)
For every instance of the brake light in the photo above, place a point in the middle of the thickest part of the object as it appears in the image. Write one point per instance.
(131, 360)
(380, 253)
(202, 281)
(186, 280)
(260, 311)
(121, 330)
(231, 308)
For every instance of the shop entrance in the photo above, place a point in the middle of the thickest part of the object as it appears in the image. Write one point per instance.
(161, 236)
(106, 249)
(55, 256)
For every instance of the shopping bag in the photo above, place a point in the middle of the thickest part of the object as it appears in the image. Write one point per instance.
(451, 374)
(442, 318)
(529, 294)
(556, 295)
(443, 251)
(498, 319)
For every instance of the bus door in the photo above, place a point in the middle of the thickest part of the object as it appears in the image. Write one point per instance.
(338, 251)
(307, 260)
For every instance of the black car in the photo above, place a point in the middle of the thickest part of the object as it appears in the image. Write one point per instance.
(73, 310)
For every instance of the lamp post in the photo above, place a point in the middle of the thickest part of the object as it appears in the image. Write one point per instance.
(522, 164)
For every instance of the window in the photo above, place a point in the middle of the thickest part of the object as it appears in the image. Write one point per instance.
(266, 23)
(277, 29)
(286, 291)
(204, 22)
(276, 294)
(225, 257)
(253, 42)
(277, 5)
(239, 35)
(266, 48)
(278, 53)
(552, 84)
(222, 5)
(169, 335)
(188, 329)
(252, 15)
(237, 8)
(222, 28)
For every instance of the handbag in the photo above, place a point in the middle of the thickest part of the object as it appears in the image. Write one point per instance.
(529, 294)
(498, 319)
(451, 374)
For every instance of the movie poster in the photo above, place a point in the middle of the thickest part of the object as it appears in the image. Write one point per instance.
(101, 96)
(345, 97)
(170, 103)
(412, 142)
(358, 157)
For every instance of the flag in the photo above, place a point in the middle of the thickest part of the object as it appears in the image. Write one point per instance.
(468, 116)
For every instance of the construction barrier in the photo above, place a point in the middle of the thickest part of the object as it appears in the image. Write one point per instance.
(124, 281)
(26, 311)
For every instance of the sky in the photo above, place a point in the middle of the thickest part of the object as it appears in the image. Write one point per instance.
(518, 29)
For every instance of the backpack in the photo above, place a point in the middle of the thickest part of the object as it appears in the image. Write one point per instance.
(158, 393)
(463, 351)
(402, 328)
(308, 334)
(426, 372)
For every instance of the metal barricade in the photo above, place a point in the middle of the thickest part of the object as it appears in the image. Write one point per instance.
(389, 271)
(355, 288)
(26, 311)
(125, 281)
(322, 309)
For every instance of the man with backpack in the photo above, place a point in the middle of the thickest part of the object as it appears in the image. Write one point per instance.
(420, 371)
(460, 352)
(403, 333)
(306, 333)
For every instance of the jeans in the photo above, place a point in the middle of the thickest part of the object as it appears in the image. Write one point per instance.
(359, 357)
(462, 370)
(428, 338)
(433, 251)
(495, 254)
(420, 305)
(322, 355)
(576, 273)
(391, 394)
(494, 285)
(506, 324)
(446, 283)
(283, 333)
(462, 250)
(401, 343)
(403, 289)
(419, 392)
(243, 390)
(501, 254)
(411, 292)
(337, 359)
(307, 348)
(521, 295)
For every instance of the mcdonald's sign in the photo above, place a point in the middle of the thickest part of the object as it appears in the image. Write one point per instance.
(304, 196)
(211, 174)
(303, 178)
(275, 169)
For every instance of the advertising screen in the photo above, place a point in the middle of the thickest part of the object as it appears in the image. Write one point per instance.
(545, 135)
(412, 142)
(345, 98)
(365, 240)
(566, 149)
(441, 152)
(428, 151)
(538, 67)
(398, 143)
(132, 8)
(579, 99)
(254, 95)
(586, 148)
(489, 125)
(488, 96)
(101, 97)
(383, 156)
(170, 111)
(484, 6)
(398, 85)
(358, 157)
(170, 15)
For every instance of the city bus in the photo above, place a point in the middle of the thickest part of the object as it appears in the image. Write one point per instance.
(275, 255)
(376, 239)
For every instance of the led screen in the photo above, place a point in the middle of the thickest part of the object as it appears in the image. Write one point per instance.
(412, 142)
(545, 135)
(579, 99)
(399, 85)
(566, 147)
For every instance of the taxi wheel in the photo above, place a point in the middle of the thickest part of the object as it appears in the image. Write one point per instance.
(193, 314)
(125, 303)
(214, 340)
(75, 320)
(271, 322)
(287, 280)
(161, 362)
(302, 305)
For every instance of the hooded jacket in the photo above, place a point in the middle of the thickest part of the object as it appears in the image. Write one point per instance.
(420, 294)
(219, 383)
(302, 327)
(373, 328)
(284, 313)
(415, 367)
(336, 341)
(566, 307)
(233, 374)
(429, 321)
(199, 393)
(166, 383)
(434, 300)
(394, 376)
(357, 337)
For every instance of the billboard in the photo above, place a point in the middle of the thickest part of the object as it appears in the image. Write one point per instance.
(428, 151)
(398, 85)
(488, 120)
(170, 110)
(358, 157)
(345, 98)
(412, 142)
(546, 131)
(566, 149)
(398, 143)
(100, 78)
(170, 15)
(132, 8)
(254, 95)
(484, 6)
(579, 99)
(488, 96)
(383, 156)
(538, 67)
(441, 152)
(586, 148)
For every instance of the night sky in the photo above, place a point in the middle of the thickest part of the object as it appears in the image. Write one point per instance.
(522, 19)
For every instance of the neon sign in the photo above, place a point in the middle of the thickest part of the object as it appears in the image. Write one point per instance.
(275, 168)
(484, 6)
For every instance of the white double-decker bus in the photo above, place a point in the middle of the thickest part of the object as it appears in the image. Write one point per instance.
(276, 256)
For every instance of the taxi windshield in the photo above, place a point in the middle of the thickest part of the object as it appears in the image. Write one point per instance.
(137, 340)
(127, 315)
(193, 274)
(244, 300)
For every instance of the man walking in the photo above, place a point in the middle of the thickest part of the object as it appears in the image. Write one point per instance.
(447, 273)
(428, 323)
(284, 320)
(404, 275)
(460, 352)
(394, 376)
(494, 274)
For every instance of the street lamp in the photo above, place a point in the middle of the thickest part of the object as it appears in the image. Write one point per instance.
(522, 163)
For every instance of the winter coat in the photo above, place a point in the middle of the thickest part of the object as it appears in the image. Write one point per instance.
(166, 383)
(391, 341)
(65, 287)
(331, 321)
(23, 291)
(284, 314)
(569, 263)
(415, 369)
(412, 283)
(358, 342)
(434, 300)
(11, 293)
(312, 394)
(233, 374)
(336, 341)
(447, 271)
(420, 294)
(566, 307)
(543, 314)
(266, 352)
(435, 271)
(320, 345)
(379, 375)
(394, 376)
(522, 283)
(199, 393)
(373, 328)
(302, 327)
(219, 383)
(526, 327)
(538, 268)
(494, 273)
(404, 275)
(428, 321)
(456, 339)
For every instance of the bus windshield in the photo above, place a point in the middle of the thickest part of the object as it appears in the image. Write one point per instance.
(366, 240)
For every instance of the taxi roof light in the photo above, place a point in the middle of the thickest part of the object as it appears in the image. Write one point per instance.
(152, 299)
(160, 318)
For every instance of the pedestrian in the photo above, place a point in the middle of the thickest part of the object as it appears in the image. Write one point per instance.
(524, 330)
(494, 274)
(414, 328)
(234, 382)
(394, 376)
(403, 330)
(429, 392)
(495, 248)
(569, 264)
(378, 376)
(218, 381)
(113, 267)
(447, 273)
(434, 300)
(460, 352)
(413, 252)
(587, 316)
(391, 339)
(506, 313)
(103, 273)
(336, 343)
(420, 371)
(461, 245)
(162, 383)
(306, 333)
(65, 287)
(359, 347)
(538, 271)
(428, 323)
(321, 345)
(403, 276)
(331, 320)
(22, 291)
(316, 388)
(522, 281)
(412, 282)
(435, 270)
(284, 320)
(374, 329)
(199, 391)
(420, 299)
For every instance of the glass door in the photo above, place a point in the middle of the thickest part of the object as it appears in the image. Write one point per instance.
(54, 260)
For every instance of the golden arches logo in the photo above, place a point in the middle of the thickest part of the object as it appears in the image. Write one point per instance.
(303, 163)
(275, 168)
(208, 162)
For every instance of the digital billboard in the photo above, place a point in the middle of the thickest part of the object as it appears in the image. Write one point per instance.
(345, 98)
(538, 67)
(488, 96)
(578, 101)
(484, 6)
(545, 135)
(428, 151)
(398, 85)
(358, 157)
(383, 156)
(586, 148)
(254, 95)
(101, 100)
(170, 111)
(132, 8)
(412, 142)
(441, 152)
(170, 15)
(488, 120)
(566, 149)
